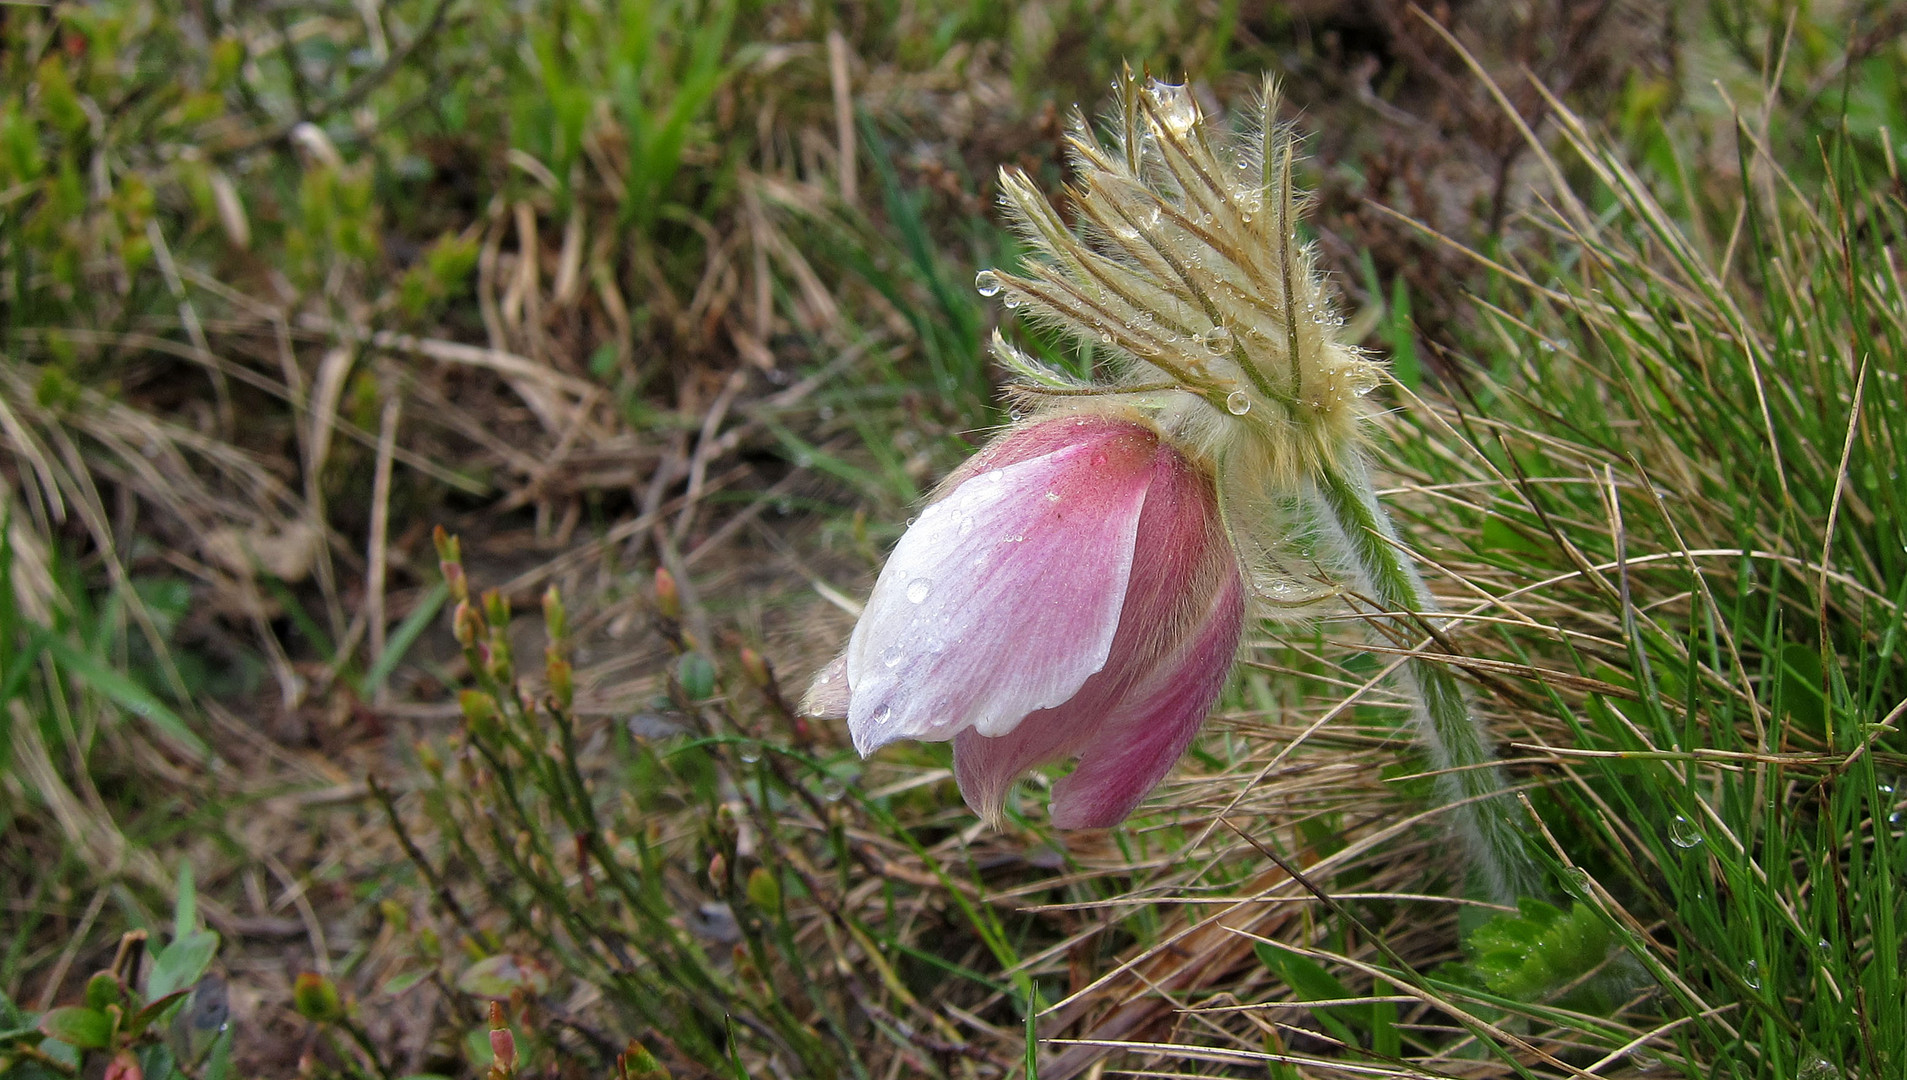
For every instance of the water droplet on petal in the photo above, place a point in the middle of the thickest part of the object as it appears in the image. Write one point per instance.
(918, 589)
(1052, 496)
(1219, 339)
(1238, 403)
(986, 283)
(881, 716)
(892, 655)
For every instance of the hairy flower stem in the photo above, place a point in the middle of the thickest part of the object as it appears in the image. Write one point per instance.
(1469, 779)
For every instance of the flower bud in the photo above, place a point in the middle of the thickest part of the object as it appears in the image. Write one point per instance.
(562, 679)
(480, 712)
(764, 892)
(637, 1063)
(1072, 593)
(555, 616)
(466, 624)
(496, 610)
(502, 1045)
(315, 997)
(757, 668)
(668, 595)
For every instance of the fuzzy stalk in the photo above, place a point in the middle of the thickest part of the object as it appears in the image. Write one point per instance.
(1469, 780)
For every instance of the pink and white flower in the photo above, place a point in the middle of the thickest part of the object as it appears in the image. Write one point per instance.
(1071, 593)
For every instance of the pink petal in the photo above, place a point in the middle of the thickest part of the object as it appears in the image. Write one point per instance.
(1137, 745)
(1130, 722)
(1125, 746)
(1004, 597)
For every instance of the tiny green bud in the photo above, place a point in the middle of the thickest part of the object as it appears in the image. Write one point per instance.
(454, 578)
(315, 998)
(764, 891)
(668, 595)
(466, 624)
(103, 989)
(637, 1063)
(498, 662)
(562, 680)
(450, 561)
(757, 668)
(496, 608)
(555, 616)
(394, 915)
(480, 712)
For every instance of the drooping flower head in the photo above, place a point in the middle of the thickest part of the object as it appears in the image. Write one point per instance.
(1232, 415)
(1079, 588)
(1070, 593)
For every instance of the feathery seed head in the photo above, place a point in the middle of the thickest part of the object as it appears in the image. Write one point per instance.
(1186, 264)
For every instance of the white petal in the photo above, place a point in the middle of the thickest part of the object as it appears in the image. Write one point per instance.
(1002, 599)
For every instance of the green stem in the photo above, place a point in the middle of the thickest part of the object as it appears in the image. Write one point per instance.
(1469, 780)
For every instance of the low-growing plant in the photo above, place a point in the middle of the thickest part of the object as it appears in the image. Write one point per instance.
(154, 1012)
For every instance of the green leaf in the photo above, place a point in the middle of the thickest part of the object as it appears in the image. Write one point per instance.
(1801, 682)
(502, 975)
(1526, 955)
(403, 981)
(403, 638)
(76, 1025)
(185, 905)
(1401, 335)
(103, 989)
(696, 674)
(1500, 535)
(218, 1063)
(127, 694)
(143, 1019)
(181, 963)
(156, 1062)
(1310, 982)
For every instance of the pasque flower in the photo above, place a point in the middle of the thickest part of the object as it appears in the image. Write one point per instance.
(1071, 592)
(1079, 587)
